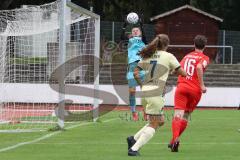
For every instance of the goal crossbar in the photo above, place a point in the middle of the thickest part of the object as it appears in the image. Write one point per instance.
(81, 10)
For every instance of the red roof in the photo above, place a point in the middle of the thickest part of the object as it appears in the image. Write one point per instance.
(185, 7)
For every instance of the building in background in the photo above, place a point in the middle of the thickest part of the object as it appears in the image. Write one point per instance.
(183, 24)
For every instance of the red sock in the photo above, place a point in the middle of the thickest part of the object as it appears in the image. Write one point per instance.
(176, 127)
(183, 126)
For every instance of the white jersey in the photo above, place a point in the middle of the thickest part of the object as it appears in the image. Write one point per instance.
(157, 69)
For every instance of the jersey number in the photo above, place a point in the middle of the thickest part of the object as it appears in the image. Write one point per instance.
(154, 63)
(189, 66)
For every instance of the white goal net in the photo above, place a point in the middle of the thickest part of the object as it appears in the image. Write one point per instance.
(31, 57)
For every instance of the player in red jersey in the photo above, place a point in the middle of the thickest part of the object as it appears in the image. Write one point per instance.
(189, 89)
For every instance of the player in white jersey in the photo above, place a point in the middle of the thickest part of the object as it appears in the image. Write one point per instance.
(157, 64)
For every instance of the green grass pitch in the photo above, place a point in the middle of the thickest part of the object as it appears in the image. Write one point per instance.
(211, 135)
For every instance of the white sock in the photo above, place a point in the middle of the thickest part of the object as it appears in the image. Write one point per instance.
(146, 135)
(138, 134)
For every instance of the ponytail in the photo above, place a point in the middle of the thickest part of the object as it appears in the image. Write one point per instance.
(160, 42)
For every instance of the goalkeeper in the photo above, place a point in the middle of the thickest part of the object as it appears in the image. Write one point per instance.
(136, 42)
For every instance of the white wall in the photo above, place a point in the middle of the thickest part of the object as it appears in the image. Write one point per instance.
(43, 93)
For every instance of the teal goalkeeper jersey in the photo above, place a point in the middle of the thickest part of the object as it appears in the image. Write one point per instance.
(135, 45)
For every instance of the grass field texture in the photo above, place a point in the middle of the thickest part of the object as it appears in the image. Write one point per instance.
(211, 135)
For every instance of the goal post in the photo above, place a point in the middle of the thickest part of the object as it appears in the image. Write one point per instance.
(35, 43)
(62, 60)
(81, 10)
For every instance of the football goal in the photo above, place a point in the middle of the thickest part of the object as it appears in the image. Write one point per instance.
(48, 66)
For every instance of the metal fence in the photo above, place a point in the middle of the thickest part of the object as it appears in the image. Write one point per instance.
(229, 38)
(111, 31)
(228, 47)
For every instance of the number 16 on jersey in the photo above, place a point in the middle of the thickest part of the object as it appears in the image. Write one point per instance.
(189, 67)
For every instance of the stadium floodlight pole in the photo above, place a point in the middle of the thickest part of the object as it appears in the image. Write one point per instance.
(96, 17)
(62, 59)
(208, 46)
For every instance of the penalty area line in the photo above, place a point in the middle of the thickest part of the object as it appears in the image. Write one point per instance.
(48, 136)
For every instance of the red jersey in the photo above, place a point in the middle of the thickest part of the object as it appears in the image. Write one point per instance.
(189, 64)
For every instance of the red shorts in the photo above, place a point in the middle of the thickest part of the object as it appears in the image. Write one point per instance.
(186, 99)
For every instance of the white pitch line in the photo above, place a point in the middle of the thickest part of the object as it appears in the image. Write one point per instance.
(29, 142)
(48, 136)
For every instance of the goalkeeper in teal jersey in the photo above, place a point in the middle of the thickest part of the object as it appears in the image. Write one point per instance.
(136, 42)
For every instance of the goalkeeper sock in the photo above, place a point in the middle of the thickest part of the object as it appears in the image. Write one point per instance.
(132, 101)
(138, 134)
(176, 125)
(146, 135)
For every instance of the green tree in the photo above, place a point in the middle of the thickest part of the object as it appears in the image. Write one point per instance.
(225, 9)
(5, 4)
(116, 10)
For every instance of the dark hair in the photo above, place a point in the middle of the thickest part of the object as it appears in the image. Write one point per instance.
(137, 28)
(160, 42)
(200, 41)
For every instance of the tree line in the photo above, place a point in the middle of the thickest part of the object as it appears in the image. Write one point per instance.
(116, 10)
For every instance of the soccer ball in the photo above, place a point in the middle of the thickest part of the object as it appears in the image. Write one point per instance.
(132, 18)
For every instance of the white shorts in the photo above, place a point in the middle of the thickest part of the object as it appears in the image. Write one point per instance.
(153, 105)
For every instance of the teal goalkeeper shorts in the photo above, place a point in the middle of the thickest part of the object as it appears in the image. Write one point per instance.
(130, 77)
